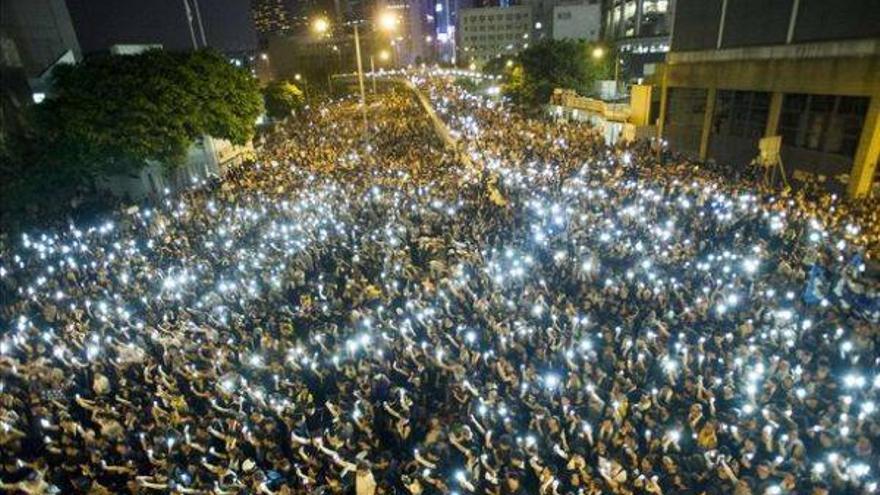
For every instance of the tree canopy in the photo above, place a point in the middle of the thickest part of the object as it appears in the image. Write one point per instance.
(111, 114)
(282, 98)
(550, 64)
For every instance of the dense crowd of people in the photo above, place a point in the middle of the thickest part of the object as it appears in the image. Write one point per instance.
(523, 311)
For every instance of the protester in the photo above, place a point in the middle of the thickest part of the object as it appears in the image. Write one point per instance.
(528, 312)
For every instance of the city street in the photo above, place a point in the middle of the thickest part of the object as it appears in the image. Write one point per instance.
(549, 315)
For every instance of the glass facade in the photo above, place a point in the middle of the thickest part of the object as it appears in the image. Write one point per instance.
(741, 113)
(637, 18)
(825, 123)
(684, 118)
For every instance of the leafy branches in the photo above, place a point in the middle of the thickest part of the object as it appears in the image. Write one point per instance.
(112, 114)
(550, 64)
(282, 98)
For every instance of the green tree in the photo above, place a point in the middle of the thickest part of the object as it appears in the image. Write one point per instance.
(498, 65)
(111, 114)
(515, 85)
(282, 98)
(550, 64)
(229, 97)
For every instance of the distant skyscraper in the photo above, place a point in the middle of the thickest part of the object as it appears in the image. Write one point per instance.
(271, 17)
(641, 31)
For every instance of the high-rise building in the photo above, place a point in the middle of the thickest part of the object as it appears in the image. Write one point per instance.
(489, 32)
(805, 70)
(408, 42)
(443, 15)
(36, 35)
(640, 29)
(577, 21)
(42, 32)
(271, 17)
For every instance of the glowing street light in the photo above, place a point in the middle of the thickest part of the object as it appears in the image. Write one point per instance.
(388, 21)
(320, 25)
(384, 55)
(599, 54)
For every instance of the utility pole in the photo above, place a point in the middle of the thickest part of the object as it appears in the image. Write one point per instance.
(373, 73)
(360, 66)
(189, 19)
(201, 26)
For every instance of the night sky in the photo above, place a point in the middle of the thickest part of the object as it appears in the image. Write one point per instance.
(100, 24)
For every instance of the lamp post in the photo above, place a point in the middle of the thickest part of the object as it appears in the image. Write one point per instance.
(373, 73)
(357, 49)
(384, 56)
(387, 21)
(599, 54)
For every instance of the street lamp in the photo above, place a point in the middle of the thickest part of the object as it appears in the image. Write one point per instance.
(298, 78)
(384, 55)
(320, 25)
(387, 21)
(599, 54)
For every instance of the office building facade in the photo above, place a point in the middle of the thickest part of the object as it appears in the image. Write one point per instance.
(577, 21)
(805, 70)
(37, 34)
(641, 30)
(35, 37)
(271, 18)
(485, 33)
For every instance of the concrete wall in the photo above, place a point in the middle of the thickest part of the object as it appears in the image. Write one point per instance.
(210, 158)
(855, 75)
(828, 70)
(42, 31)
(577, 22)
(711, 24)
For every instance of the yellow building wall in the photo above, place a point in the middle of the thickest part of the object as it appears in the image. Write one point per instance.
(851, 76)
(640, 105)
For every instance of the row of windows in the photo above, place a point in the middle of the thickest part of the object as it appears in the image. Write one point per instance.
(491, 17)
(825, 123)
(491, 27)
(484, 49)
(492, 37)
(741, 113)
